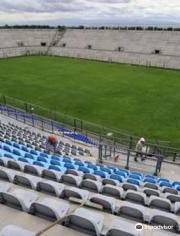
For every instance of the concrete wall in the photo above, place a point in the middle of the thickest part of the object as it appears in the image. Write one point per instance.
(128, 58)
(22, 51)
(137, 46)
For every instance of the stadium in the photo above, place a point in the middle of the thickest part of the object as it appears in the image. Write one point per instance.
(89, 130)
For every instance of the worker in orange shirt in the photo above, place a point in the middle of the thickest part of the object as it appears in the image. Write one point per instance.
(52, 140)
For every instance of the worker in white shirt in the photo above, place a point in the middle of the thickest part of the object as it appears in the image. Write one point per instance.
(139, 149)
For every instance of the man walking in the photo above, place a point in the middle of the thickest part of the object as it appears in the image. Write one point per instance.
(139, 148)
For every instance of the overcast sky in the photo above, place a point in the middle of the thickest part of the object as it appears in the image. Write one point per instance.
(90, 12)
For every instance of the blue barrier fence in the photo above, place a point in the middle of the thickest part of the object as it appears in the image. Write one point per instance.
(45, 124)
(79, 130)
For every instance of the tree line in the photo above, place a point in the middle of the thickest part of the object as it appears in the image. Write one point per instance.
(62, 27)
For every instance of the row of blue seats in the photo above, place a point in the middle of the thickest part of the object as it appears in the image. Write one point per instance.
(43, 159)
(63, 166)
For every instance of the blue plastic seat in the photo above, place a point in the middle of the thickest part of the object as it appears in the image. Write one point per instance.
(52, 167)
(78, 163)
(133, 181)
(126, 171)
(133, 176)
(121, 173)
(43, 155)
(116, 177)
(38, 163)
(151, 176)
(163, 179)
(91, 166)
(46, 152)
(25, 149)
(137, 173)
(177, 187)
(6, 148)
(100, 173)
(165, 184)
(8, 142)
(23, 159)
(149, 180)
(33, 152)
(67, 160)
(8, 155)
(29, 145)
(55, 162)
(175, 183)
(55, 158)
(28, 155)
(69, 166)
(40, 158)
(105, 169)
(16, 152)
(84, 169)
(112, 168)
(100, 165)
(16, 145)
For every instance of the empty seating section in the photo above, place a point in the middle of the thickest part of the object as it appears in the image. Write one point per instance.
(24, 42)
(44, 184)
(29, 139)
(88, 221)
(12, 37)
(65, 147)
(111, 40)
(124, 46)
(80, 173)
(77, 172)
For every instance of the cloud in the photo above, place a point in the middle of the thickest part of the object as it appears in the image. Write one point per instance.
(89, 12)
(41, 6)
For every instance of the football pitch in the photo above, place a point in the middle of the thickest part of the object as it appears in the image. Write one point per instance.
(142, 101)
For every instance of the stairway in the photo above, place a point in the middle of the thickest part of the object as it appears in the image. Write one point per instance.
(56, 39)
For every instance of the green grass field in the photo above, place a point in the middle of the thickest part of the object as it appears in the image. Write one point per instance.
(142, 101)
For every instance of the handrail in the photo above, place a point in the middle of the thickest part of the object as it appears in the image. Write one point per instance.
(97, 133)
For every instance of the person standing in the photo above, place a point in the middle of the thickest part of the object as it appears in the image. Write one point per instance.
(139, 149)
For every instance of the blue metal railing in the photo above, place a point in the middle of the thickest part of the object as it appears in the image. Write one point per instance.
(45, 124)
